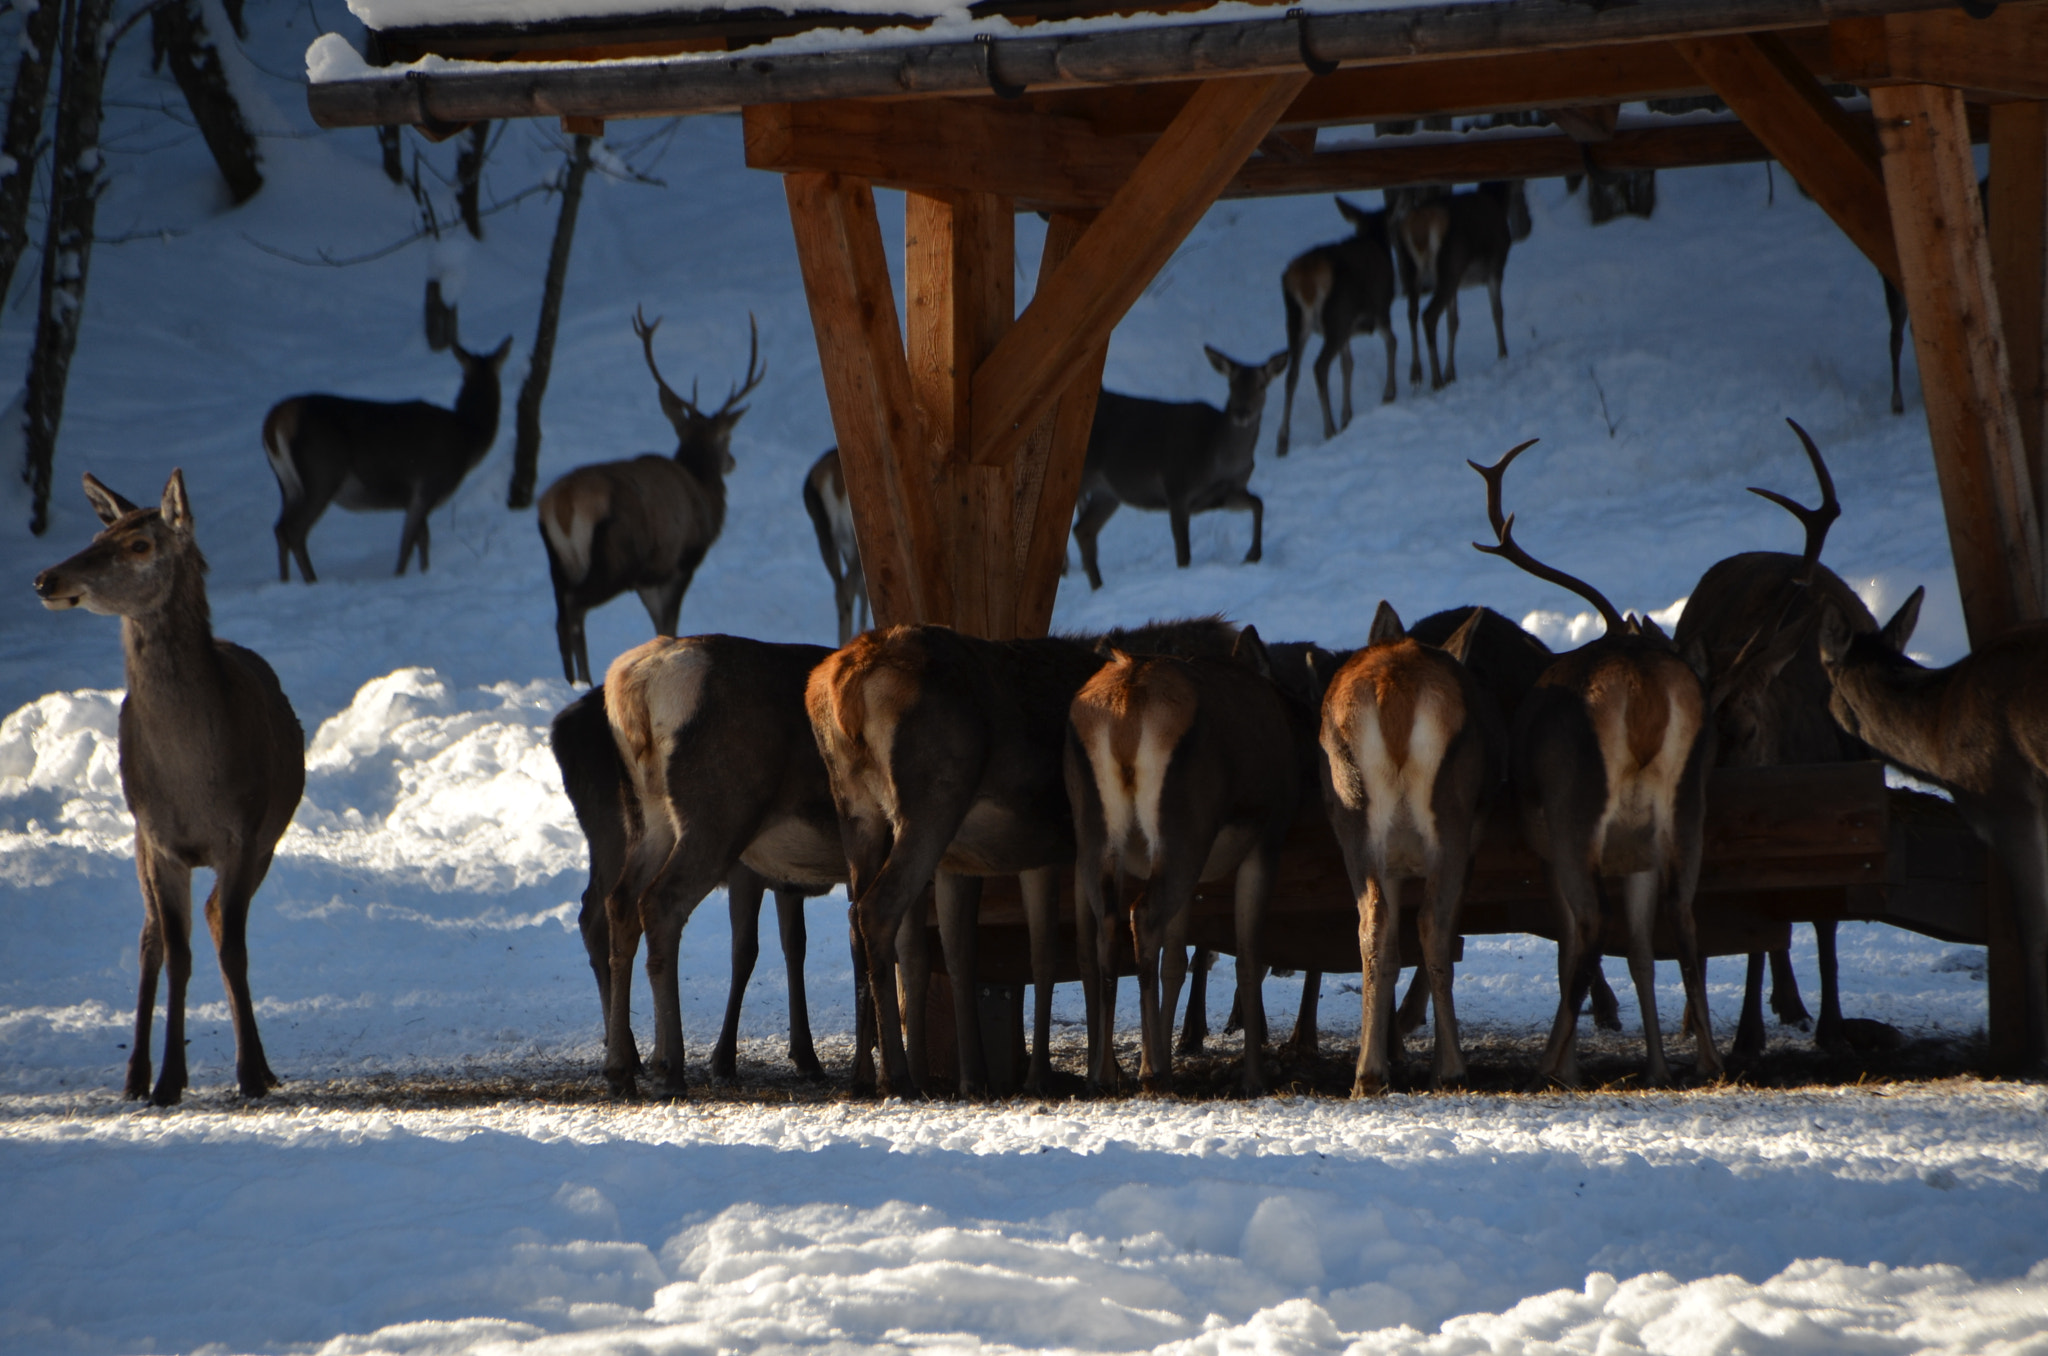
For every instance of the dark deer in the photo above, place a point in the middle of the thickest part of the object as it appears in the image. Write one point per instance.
(1779, 715)
(832, 516)
(643, 524)
(1180, 771)
(594, 778)
(212, 764)
(723, 785)
(1979, 730)
(1338, 290)
(944, 752)
(369, 455)
(1414, 748)
(1609, 765)
(1185, 457)
(1452, 242)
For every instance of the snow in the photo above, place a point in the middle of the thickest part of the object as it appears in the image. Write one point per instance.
(439, 1173)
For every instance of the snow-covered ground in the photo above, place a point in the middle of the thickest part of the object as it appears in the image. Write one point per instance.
(438, 1174)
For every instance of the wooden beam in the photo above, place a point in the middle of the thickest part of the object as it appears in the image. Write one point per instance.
(1833, 158)
(1993, 514)
(1587, 122)
(1075, 309)
(1049, 466)
(2018, 224)
(882, 441)
(2006, 53)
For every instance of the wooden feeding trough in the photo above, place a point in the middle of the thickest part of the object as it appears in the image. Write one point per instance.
(962, 429)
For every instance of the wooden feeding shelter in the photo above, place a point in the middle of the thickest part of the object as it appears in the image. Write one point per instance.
(962, 430)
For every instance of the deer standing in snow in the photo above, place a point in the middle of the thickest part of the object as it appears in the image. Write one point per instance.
(643, 524)
(831, 513)
(212, 764)
(368, 455)
(1337, 291)
(1450, 242)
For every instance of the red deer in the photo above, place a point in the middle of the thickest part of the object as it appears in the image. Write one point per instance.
(832, 516)
(1609, 764)
(1180, 771)
(944, 752)
(1185, 457)
(643, 524)
(1979, 730)
(595, 777)
(1414, 748)
(212, 764)
(368, 455)
(1338, 290)
(1778, 715)
(722, 773)
(1452, 242)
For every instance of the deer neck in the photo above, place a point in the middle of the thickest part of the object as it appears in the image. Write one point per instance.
(1897, 708)
(705, 464)
(170, 649)
(477, 406)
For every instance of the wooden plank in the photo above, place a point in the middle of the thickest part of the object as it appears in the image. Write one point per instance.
(1077, 307)
(1828, 152)
(867, 383)
(1049, 465)
(2018, 223)
(1989, 500)
(2005, 53)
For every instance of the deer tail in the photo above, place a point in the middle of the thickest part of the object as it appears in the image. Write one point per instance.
(278, 432)
(569, 514)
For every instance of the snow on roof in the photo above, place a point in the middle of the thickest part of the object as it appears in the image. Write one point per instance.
(392, 14)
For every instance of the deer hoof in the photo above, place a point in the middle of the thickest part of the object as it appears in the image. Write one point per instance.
(1369, 1085)
(1253, 556)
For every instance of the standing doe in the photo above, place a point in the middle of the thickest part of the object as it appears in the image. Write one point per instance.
(1451, 242)
(1338, 290)
(368, 455)
(831, 512)
(212, 764)
(643, 524)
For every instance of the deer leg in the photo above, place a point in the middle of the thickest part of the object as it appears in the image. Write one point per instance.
(1041, 891)
(1415, 340)
(227, 917)
(1829, 1030)
(1324, 357)
(1605, 1006)
(150, 961)
(167, 884)
(1173, 966)
(1749, 1031)
(294, 524)
(842, 602)
(1785, 999)
(569, 639)
(912, 986)
(864, 1034)
(1639, 891)
(622, 924)
(1177, 516)
(414, 531)
(1344, 363)
(1578, 917)
(1194, 1027)
(959, 907)
(699, 862)
(743, 891)
(1095, 511)
(789, 920)
(1095, 937)
(1500, 332)
(1451, 341)
(2020, 838)
(1304, 1038)
(1379, 912)
(1254, 884)
(1241, 498)
(1438, 925)
(1387, 334)
(895, 890)
(1414, 1010)
(1437, 301)
(1297, 341)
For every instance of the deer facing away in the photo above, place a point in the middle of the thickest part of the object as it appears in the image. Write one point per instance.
(831, 514)
(644, 524)
(1337, 291)
(370, 455)
(212, 764)
(1185, 457)
(1455, 241)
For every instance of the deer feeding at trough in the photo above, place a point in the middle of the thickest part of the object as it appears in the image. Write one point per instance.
(1337, 291)
(944, 752)
(1776, 714)
(1181, 770)
(1184, 457)
(831, 514)
(643, 524)
(369, 455)
(212, 764)
(1415, 747)
(1609, 764)
(1979, 730)
(1450, 242)
(722, 785)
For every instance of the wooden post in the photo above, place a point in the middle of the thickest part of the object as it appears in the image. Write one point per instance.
(1945, 267)
(2019, 263)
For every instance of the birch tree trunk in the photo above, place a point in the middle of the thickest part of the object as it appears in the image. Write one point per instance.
(526, 447)
(75, 186)
(23, 147)
(178, 31)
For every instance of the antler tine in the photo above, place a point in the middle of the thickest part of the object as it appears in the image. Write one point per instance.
(1512, 552)
(753, 378)
(646, 331)
(1816, 520)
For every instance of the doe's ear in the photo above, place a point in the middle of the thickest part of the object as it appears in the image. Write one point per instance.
(1833, 634)
(177, 506)
(1218, 359)
(1899, 629)
(1250, 651)
(1459, 644)
(1386, 625)
(108, 505)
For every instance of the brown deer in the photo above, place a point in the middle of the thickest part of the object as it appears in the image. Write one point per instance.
(1184, 457)
(370, 455)
(831, 512)
(1451, 242)
(1414, 748)
(212, 764)
(1337, 291)
(643, 524)
(595, 778)
(1778, 714)
(721, 774)
(944, 753)
(1979, 730)
(1609, 764)
(1180, 771)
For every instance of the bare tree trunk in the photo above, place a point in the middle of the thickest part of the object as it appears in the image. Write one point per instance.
(178, 30)
(25, 133)
(469, 177)
(394, 160)
(1615, 193)
(75, 186)
(526, 447)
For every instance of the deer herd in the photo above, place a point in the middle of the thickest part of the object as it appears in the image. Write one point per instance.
(913, 763)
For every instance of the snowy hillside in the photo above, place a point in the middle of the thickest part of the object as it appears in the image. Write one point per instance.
(437, 1173)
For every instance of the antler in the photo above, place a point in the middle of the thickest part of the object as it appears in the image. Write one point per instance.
(1504, 529)
(1816, 520)
(753, 378)
(646, 333)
